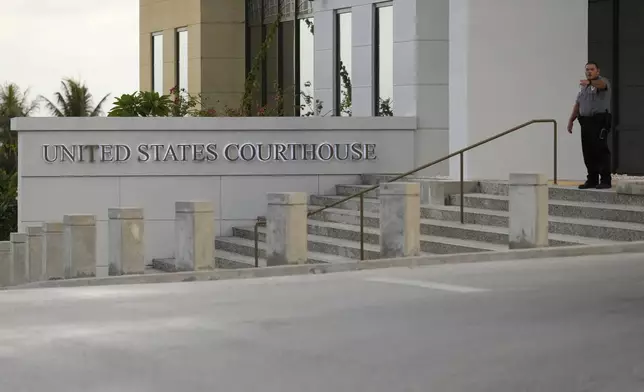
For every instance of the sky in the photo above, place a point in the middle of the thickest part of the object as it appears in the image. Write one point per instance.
(43, 41)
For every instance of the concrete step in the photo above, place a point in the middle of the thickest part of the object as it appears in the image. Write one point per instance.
(571, 194)
(453, 229)
(348, 190)
(561, 208)
(232, 260)
(245, 248)
(374, 179)
(341, 231)
(619, 223)
(317, 243)
(370, 205)
(582, 227)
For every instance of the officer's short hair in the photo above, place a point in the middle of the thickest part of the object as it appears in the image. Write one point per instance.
(592, 63)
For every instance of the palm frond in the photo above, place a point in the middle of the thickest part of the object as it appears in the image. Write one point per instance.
(98, 110)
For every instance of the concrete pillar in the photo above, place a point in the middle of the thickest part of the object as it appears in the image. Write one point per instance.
(286, 229)
(194, 235)
(125, 241)
(5, 263)
(52, 250)
(528, 210)
(399, 219)
(34, 253)
(80, 246)
(19, 263)
(422, 44)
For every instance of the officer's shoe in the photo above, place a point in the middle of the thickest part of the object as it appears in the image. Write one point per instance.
(604, 186)
(588, 185)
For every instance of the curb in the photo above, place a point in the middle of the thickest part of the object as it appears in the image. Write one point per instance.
(305, 269)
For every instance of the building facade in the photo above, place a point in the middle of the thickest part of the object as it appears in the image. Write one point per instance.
(467, 69)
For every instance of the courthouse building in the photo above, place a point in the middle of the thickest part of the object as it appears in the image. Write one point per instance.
(466, 69)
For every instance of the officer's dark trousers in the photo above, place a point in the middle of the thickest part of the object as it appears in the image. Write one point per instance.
(595, 149)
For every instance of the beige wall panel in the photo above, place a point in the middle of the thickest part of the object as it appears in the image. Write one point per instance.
(226, 11)
(169, 14)
(223, 75)
(219, 100)
(223, 40)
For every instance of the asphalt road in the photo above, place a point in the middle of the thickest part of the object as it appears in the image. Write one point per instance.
(567, 325)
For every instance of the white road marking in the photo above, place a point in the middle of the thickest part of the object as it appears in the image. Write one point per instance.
(429, 285)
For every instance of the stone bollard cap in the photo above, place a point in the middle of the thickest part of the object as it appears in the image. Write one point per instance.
(194, 206)
(34, 231)
(125, 213)
(5, 246)
(630, 187)
(53, 227)
(287, 198)
(79, 220)
(528, 179)
(18, 238)
(400, 189)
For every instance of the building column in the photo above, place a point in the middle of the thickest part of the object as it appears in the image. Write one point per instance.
(362, 59)
(324, 57)
(421, 76)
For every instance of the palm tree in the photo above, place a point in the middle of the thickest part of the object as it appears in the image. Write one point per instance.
(14, 102)
(74, 100)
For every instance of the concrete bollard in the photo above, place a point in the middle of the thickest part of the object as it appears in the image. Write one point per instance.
(194, 236)
(34, 253)
(79, 246)
(286, 229)
(125, 241)
(5, 263)
(19, 262)
(399, 219)
(528, 210)
(53, 244)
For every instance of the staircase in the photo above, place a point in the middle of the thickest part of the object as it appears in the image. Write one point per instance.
(577, 217)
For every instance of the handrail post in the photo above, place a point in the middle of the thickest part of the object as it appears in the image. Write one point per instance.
(555, 152)
(259, 221)
(361, 226)
(256, 236)
(462, 189)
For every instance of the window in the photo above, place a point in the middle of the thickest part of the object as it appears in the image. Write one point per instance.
(182, 59)
(284, 74)
(157, 63)
(384, 64)
(306, 47)
(343, 64)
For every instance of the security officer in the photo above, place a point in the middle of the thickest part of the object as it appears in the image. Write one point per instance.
(592, 109)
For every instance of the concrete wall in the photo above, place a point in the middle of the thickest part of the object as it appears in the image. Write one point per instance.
(512, 61)
(47, 191)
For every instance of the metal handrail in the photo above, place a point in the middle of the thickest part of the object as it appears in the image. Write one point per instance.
(460, 152)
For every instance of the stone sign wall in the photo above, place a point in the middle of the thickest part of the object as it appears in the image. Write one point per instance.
(88, 165)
